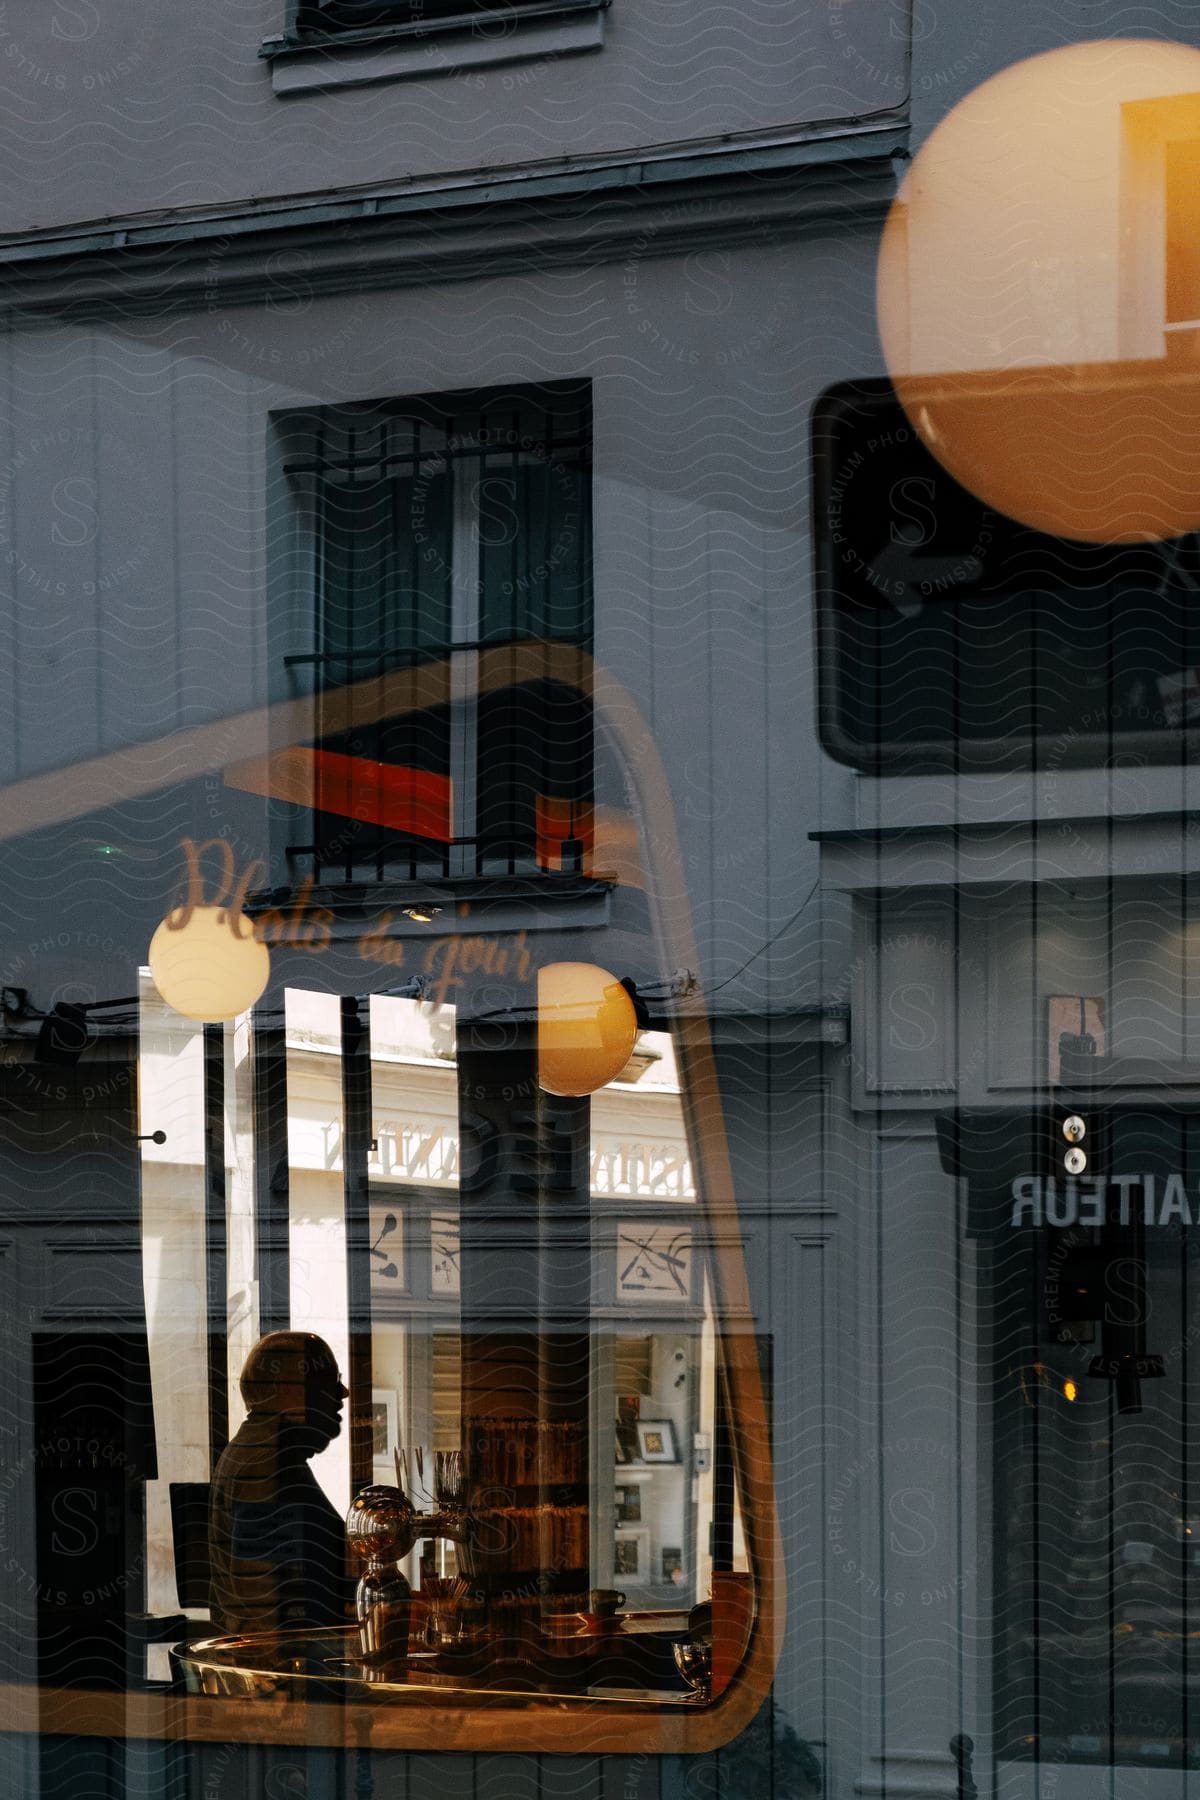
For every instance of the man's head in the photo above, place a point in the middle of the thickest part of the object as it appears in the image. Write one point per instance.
(294, 1375)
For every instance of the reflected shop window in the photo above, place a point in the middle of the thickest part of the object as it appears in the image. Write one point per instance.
(425, 1378)
(1087, 1278)
(600, 925)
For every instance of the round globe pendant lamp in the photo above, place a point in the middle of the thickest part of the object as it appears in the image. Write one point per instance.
(1036, 292)
(587, 1028)
(207, 963)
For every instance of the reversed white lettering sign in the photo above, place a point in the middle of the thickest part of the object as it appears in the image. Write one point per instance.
(430, 1154)
(1148, 1199)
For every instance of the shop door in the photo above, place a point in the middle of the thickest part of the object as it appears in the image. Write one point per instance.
(1092, 1293)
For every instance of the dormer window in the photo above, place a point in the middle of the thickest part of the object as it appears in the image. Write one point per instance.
(344, 43)
(374, 15)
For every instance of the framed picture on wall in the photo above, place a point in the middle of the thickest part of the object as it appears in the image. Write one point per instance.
(444, 1252)
(629, 1505)
(386, 1253)
(656, 1441)
(653, 1261)
(385, 1426)
(631, 1554)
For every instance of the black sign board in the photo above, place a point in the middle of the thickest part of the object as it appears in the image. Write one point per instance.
(950, 636)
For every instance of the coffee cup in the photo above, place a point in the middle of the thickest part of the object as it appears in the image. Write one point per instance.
(605, 1603)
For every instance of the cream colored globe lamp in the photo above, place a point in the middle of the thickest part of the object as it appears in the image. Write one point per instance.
(587, 1028)
(1039, 291)
(207, 963)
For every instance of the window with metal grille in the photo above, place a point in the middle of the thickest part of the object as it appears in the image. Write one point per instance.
(450, 537)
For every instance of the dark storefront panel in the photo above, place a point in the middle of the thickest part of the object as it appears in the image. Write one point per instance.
(1089, 1293)
(952, 637)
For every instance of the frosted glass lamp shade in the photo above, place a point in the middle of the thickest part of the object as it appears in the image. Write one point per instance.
(1039, 287)
(586, 1028)
(204, 968)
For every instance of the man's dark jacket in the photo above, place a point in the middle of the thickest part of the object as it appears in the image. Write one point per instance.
(277, 1547)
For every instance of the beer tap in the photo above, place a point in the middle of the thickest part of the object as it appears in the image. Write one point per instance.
(384, 1521)
(382, 1527)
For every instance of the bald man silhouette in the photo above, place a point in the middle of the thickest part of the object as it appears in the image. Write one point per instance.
(277, 1548)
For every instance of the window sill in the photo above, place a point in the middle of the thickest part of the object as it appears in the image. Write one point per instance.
(465, 904)
(308, 63)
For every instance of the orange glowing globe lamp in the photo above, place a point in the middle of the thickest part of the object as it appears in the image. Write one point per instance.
(587, 1028)
(1039, 291)
(207, 963)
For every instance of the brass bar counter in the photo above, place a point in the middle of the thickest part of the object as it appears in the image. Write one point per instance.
(580, 1693)
(629, 1664)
